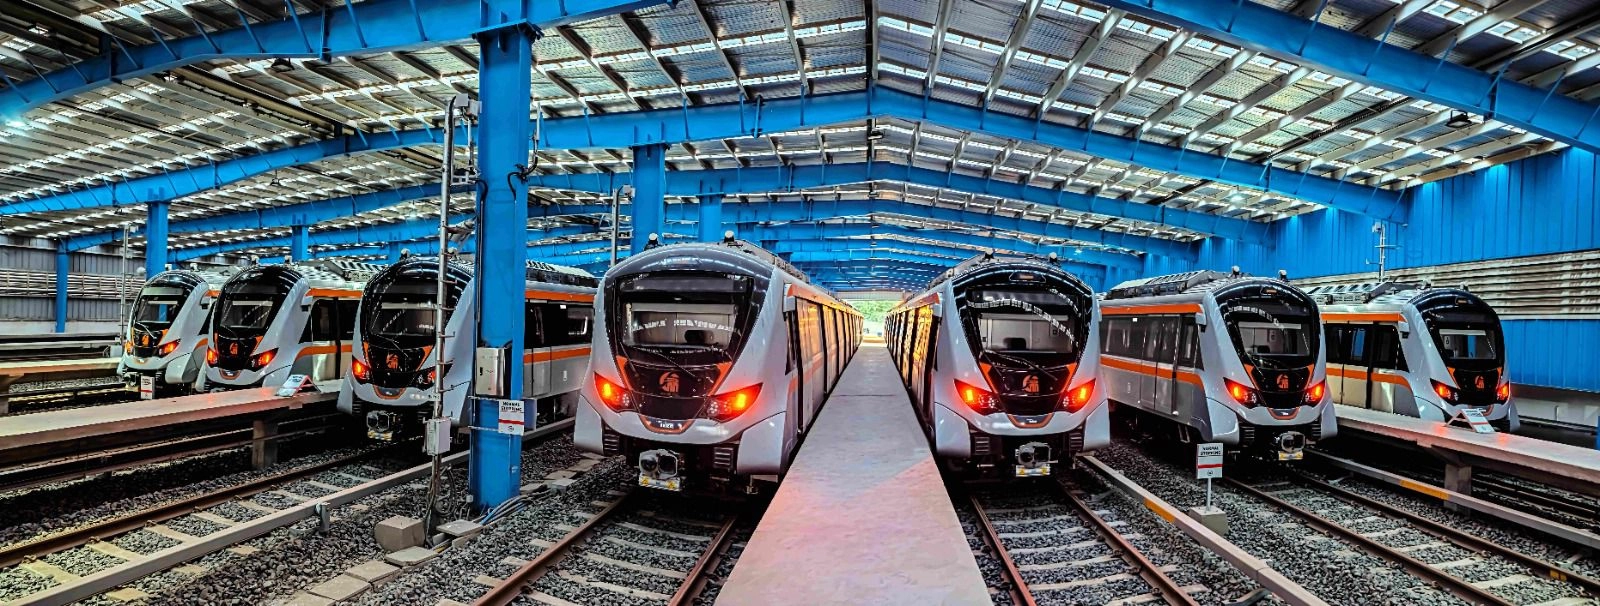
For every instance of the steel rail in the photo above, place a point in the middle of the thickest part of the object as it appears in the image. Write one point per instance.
(1455, 585)
(694, 584)
(1020, 594)
(1464, 539)
(146, 565)
(15, 554)
(1169, 589)
(507, 591)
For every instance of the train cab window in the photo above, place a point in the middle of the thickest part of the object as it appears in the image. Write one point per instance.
(1385, 349)
(157, 306)
(1188, 343)
(661, 310)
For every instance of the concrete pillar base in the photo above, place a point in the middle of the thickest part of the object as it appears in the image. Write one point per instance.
(264, 444)
(1213, 518)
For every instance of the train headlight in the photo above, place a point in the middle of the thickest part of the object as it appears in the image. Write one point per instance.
(1314, 393)
(1245, 396)
(1503, 392)
(979, 400)
(167, 349)
(1446, 392)
(360, 370)
(425, 380)
(728, 406)
(1078, 397)
(261, 360)
(211, 356)
(612, 395)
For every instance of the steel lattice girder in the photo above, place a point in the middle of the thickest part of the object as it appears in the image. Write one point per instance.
(373, 26)
(289, 215)
(370, 234)
(311, 213)
(1377, 63)
(1146, 244)
(817, 210)
(790, 248)
(741, 120)
(837, 234)
(791, 178)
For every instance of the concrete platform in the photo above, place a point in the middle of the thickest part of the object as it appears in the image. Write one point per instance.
(1561, 465)
(51, 370)
(862, 517)
(59, 433)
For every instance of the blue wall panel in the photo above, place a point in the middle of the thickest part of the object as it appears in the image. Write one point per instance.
(1541, 205)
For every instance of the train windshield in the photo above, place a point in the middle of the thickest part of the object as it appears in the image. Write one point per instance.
(248, 309)
(1271, 333)
(689, 318)
(1466, 332)
(157, 306)
(399, 313)
(1027, 328)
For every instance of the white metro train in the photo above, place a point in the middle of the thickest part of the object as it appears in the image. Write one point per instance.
(710, 363)
(164, 347)
(273, 321)
(1417, 351)
(392, 374)
(1000, 357)
(1222, 358)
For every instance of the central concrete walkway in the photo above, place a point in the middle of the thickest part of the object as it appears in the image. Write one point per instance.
(862, 517)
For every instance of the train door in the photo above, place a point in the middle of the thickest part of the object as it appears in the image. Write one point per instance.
(1384, 356)
(792, 364)
(930, 362)
(344, 349)
(1164, 350)
(319, 359)
(537, 350)
(824, 322)
(1348, 345)
(812, 355)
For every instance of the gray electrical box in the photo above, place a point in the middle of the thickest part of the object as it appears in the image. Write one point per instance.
(436, 436)
(490, 371)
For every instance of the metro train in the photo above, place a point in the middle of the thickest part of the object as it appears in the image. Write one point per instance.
(710, 362)
(165, 344)
(273, 321)
(391, 380)
(1415, 350)
(1000, 357)
(1220, 357)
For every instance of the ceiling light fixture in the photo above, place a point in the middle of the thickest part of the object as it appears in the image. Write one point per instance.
(1459, 120)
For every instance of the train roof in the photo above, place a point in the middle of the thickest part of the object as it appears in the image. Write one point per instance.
(1387, 292)
(732, 249)
(991, 258)
(537, 271)
(1173, 284)
(212, 277)
(341, 274)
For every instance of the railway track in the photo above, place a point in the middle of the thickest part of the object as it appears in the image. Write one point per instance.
(1472, 568)
(1059, 550)
(628, 552)
(87, 561)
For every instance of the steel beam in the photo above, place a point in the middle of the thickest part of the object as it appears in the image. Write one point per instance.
(838, 233)
(63, 266)
(155, 238)
(649, 193)
(373, 26)
(1374, 62)
(494, 471)
(793, 178)
(299, 245)
(710, 224)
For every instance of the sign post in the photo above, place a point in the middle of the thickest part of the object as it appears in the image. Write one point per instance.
(1473, 418)
(1208, 465)
(511, 419)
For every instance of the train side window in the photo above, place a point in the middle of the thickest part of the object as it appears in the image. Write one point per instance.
(1357, 351)
(1163, 346)
(348, 308)
(1138, 337)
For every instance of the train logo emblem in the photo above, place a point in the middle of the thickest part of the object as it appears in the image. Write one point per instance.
(233, 349)
(1478, 382)
(1283, 382)
(1030, 384)
(668, 382)
(392, 362)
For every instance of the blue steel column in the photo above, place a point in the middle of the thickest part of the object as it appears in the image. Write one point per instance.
(63, 264)
(711, 218)
(649, 193)
(504, 87)
(299, 243)
(394, 252)
(155, 239)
